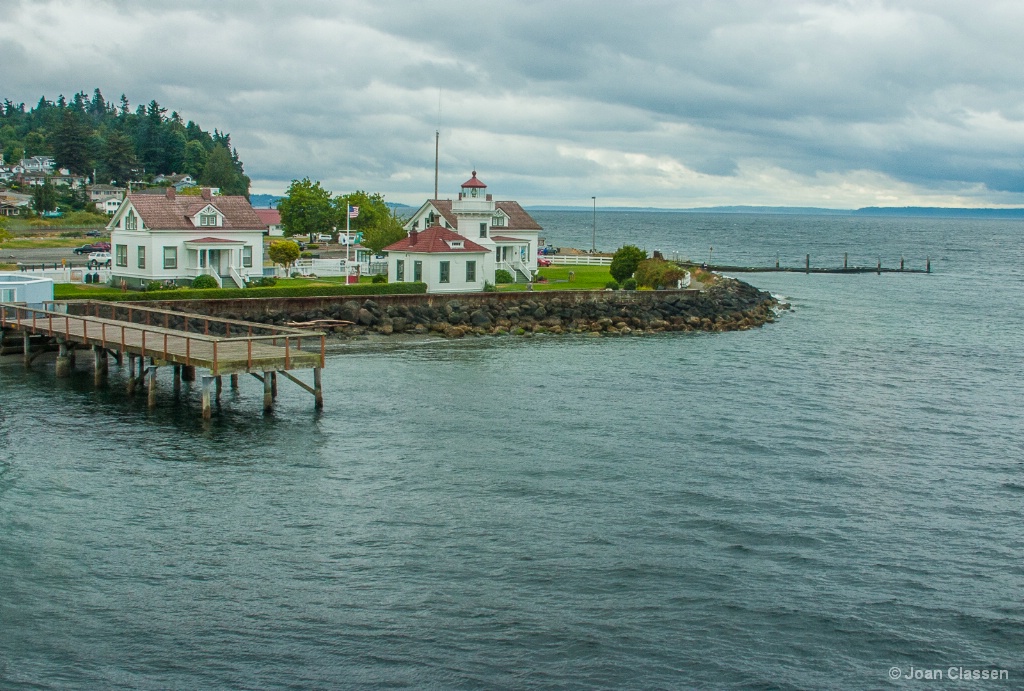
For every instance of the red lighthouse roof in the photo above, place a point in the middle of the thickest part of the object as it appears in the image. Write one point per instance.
(474, 182)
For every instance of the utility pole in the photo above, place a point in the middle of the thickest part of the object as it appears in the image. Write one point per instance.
(437, 145)
(593, 240)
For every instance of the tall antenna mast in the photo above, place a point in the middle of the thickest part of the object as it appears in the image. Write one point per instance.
(437, 141)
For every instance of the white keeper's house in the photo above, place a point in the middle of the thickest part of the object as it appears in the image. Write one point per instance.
(502, 231)
(171, 237)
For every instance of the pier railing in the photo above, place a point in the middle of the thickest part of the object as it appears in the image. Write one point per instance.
(220, 345)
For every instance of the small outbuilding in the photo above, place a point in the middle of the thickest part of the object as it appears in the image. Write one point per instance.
(20, 287)
(446, 261)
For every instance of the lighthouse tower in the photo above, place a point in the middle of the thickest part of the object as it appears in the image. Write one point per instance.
(474, 210)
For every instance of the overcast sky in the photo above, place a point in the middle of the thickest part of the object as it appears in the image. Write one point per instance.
(667, 104)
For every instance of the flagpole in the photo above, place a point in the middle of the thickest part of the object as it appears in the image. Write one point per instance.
(348, 225)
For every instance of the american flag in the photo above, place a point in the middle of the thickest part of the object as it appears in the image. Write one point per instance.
(353, 211)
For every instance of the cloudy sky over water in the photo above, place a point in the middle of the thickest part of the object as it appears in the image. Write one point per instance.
(668, 104)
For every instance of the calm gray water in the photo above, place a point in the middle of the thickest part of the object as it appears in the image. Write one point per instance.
(803, 506)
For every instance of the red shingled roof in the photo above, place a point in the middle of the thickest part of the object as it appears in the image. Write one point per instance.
(518, 219)
(474, 182)
(434, 240)
(160, 213)
(270, 217)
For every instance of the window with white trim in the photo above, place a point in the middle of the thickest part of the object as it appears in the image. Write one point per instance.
(170, 257)
(131, 221)
(247, 256)
(142, 256)
(471, 272)
(400, 271)
(121, 255)
(446, 272)
(208, 219)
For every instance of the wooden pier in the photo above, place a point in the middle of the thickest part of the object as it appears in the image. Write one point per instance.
(808, 269)
(153, 338)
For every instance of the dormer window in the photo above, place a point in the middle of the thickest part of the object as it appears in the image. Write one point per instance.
(456, 244)
(207, 219)
(498, 221)
(131, 221)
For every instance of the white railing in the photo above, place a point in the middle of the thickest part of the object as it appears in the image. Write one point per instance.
(236, 277)
(579, 259)
(68, 274)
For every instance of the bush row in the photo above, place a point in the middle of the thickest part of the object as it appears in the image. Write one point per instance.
(282, 292)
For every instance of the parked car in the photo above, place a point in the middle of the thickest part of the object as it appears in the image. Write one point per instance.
(93, 234)
(99, 259)
(324, 237)
(543, 261)
(94, 247)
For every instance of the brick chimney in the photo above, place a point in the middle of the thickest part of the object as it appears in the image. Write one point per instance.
(413, 235)
(170, 192)
(207, 193)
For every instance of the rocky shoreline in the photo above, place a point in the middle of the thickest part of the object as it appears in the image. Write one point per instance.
(729, 305)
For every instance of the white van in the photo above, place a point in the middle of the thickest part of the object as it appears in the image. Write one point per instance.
(324, 237)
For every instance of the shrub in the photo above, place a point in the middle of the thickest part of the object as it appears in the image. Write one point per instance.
(489, 287)
(379, 278)
(263, 282)
(625, 261)
(629, 284)
(655, 273)
(312, 246)
(204, 281)
(502, 276)
(306, 255)
(284, 292)
(611, 285)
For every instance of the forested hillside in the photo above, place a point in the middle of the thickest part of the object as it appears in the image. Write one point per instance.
(119, 143)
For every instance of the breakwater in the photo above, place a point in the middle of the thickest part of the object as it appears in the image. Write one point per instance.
(729, 305)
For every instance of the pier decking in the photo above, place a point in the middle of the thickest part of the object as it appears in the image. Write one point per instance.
(166, 337)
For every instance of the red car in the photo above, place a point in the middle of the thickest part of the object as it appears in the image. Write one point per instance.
(543, 261)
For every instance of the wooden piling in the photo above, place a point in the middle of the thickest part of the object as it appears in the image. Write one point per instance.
(846, 257)
(234, 382)
(99, 365)
(188, 373)
(63, 367)
(273, 384)
(219, 385)
(318, 389)
(928, 265)
(151, 386)
(131, 374)
(27, 349)
(268, 395)
(901, 263)
(807, 264)
(878, 271)
(177, 378)
(207, 408)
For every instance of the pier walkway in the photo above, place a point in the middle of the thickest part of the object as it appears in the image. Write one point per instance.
(182, 340)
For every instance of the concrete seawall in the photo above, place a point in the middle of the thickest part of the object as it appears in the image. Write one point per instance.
(728, 306)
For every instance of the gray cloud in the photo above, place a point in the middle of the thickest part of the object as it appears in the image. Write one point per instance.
(830, 103)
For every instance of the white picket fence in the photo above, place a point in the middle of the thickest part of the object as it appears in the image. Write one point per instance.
(578, 259)
(69, 274)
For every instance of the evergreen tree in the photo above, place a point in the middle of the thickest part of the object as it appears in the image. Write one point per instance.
(220, 171)
(119, 161)
(44, 197)
(72, 145)
(195, 159)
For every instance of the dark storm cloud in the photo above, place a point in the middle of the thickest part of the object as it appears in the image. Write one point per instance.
(842, 103)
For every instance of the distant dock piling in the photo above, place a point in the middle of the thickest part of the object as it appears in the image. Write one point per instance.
(806, 267)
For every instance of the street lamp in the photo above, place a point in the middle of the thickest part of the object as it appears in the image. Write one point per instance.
(593, 241)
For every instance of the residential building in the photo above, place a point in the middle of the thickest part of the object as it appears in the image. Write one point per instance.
(176, 238)
(443, 259)
(98, 194)
(272, 219)
(503, 227)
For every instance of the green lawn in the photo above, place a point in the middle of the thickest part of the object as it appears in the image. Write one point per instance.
(584, 278)
(46, 243)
